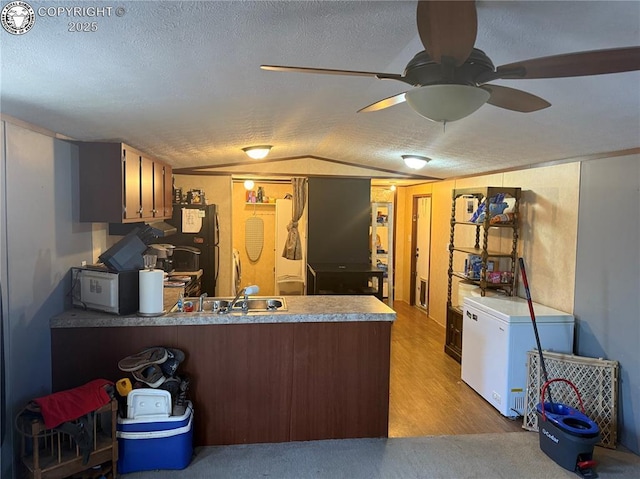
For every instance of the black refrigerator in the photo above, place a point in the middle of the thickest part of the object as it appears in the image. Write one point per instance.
(198, 227)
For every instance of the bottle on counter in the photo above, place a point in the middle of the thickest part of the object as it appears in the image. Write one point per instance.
(180, 303)
(260, 194)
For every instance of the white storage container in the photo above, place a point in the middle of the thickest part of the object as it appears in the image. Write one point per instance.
(148, 403)
(496, 335)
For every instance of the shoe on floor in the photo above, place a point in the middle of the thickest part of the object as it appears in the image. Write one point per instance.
(150, 375)
(173, 386)
(144, 358)
(179, 408)
(174, 353)
(174, 358)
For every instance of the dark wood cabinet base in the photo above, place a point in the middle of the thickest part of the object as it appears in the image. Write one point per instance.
(453, 340)
(253, 383)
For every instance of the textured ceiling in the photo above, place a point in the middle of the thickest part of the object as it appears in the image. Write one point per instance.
(181, 81)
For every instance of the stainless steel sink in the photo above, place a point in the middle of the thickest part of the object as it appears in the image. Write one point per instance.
(266, 304)
(219, 305)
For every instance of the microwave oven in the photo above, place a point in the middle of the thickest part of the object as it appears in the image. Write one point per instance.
(111, 292)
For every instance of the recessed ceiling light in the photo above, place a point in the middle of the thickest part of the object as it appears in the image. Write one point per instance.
(257, 152)
(415, 161)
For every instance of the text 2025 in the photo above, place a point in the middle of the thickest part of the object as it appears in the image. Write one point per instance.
(82, 26)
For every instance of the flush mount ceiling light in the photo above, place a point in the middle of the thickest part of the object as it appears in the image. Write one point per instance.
(445, 103)
(257, 152)
(248, 185)
(415, 161)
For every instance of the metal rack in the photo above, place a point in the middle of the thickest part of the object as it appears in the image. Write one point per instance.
(382, 257)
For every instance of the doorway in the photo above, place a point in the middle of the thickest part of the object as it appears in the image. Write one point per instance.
(420, 252)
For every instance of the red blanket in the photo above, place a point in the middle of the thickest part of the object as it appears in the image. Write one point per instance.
(73, 403)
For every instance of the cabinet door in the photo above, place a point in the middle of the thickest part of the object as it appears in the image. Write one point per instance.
(131, 187)
(168, 191)
(146, 187)
(453, 342)
(158, 190)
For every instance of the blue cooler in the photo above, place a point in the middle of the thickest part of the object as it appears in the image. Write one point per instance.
(150, 443)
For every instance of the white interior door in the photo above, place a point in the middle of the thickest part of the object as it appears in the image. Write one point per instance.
(423, 248)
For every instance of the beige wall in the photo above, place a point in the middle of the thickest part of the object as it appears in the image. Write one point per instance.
(549, 231)
(549, 226)
(217, 190)
(262, 271)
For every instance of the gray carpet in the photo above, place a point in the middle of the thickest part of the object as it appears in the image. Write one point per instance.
(504, 455)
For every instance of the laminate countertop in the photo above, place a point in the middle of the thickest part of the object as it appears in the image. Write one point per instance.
(300, 309)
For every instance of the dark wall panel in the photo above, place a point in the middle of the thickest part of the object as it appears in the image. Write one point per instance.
(339, 219)
(608, 278)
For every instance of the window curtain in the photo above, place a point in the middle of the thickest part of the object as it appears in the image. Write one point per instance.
(293, 245)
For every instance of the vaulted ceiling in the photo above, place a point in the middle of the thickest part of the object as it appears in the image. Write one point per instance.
(181, 81)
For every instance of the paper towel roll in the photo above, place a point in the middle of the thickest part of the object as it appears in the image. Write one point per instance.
(151, 291)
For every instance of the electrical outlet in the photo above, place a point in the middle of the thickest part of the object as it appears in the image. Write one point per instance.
(496, 397)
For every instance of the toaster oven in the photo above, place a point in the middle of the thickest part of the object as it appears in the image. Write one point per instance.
(186, 259)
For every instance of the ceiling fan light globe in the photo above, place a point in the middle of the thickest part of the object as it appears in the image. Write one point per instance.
(445, 103)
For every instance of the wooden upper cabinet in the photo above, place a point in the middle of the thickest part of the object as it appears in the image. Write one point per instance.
(119, 184)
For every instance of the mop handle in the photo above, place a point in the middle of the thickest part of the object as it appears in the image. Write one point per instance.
(535, 326)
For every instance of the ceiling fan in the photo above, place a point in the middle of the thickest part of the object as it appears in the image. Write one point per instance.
(451, 77)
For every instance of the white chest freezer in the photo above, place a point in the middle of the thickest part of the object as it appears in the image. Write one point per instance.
(497, 332)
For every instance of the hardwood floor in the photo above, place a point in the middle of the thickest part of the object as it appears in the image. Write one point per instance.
(427, 396)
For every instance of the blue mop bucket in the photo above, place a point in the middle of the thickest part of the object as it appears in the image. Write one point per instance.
(567, 435)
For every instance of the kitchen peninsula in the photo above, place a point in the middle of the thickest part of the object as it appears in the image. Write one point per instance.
(319, 370)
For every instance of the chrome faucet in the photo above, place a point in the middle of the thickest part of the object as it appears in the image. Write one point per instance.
(201, 301)
(246, 291)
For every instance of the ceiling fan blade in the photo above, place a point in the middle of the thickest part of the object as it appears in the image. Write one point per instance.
(447, 29)
(594, 62)
(386, 103)
(516, 100)
(328, 71)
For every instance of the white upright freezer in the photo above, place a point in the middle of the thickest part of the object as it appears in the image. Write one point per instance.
(497, 332)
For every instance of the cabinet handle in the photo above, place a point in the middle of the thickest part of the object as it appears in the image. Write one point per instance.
(140, 211)
(474, 317)
(468, 314)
